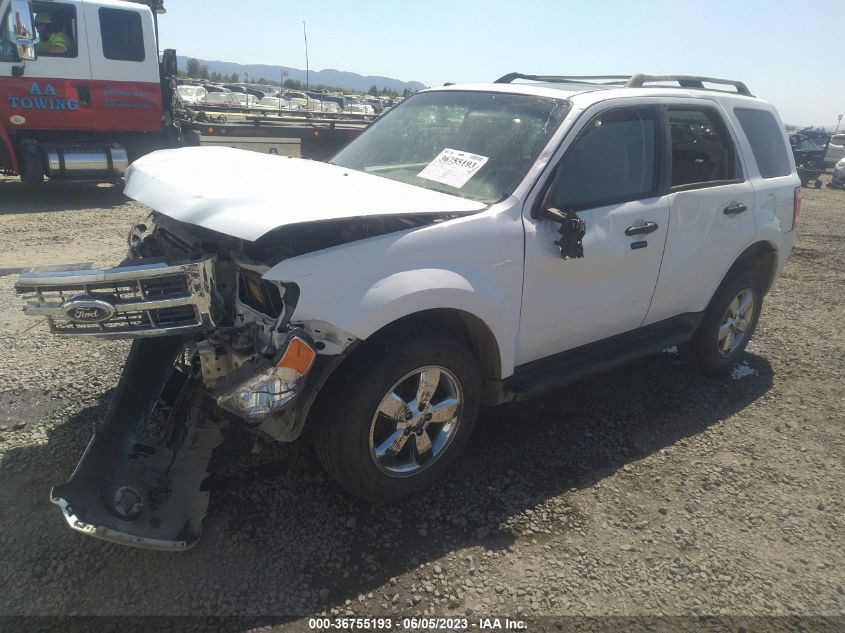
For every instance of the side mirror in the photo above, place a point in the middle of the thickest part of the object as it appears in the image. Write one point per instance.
(22, 30)
(572, 230)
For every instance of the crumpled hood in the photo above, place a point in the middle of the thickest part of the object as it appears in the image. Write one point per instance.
(246, 194)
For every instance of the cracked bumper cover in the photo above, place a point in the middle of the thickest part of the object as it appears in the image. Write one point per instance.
(140, 480)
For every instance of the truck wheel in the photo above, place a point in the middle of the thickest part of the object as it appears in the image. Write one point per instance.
(728, 324)
(399, 418)
(32, 167)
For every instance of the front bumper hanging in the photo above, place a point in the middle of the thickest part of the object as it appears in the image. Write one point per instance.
(140, 480)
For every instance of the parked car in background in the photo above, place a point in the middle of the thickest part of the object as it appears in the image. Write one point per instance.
(809, 148)
(191, 94)
(225, 99)
(835, 150)
(838, 180)
(245, 100)
(358, 108)
(272, 103)
(304, 101)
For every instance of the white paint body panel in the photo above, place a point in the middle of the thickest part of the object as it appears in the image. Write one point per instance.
(568, 303)
(246, 194)
(472, 264)
(704, 244)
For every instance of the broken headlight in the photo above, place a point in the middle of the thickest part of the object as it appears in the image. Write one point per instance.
(268, 388)
(260, 295)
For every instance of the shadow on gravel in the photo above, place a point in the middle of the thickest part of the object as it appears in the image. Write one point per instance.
(16, 197)
(282, 539)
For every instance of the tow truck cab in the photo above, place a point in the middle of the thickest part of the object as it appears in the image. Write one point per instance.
(81, 88)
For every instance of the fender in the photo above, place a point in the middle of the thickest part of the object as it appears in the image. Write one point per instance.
(360, 287)
(7, 142)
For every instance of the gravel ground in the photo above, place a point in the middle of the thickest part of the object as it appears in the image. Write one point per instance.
(648, 490)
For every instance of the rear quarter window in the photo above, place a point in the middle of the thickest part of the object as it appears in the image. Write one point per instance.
(767, 141)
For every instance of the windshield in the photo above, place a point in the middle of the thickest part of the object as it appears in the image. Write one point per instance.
(476, 145)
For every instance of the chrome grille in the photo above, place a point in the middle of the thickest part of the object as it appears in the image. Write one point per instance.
(144, 299)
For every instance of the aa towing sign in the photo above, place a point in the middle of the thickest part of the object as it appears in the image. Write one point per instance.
(39, 98)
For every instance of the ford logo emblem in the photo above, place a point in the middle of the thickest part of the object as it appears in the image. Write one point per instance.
(84, 309)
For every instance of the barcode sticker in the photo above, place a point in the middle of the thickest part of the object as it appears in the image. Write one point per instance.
(453, 167)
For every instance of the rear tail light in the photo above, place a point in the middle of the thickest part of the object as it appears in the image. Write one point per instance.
(796, 207)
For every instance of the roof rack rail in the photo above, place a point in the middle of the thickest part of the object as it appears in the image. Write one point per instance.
(561, 78)
(687, 81)
(630, 81)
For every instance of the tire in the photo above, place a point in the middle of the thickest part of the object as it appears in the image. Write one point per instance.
(381, 457)
(727, 326)
(32, 168)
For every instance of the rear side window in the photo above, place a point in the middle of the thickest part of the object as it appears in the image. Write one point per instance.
(766, 140)
(123, 36)
(612, 160)
(702, 151)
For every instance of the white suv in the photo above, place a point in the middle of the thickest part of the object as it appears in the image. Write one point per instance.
(478, 244)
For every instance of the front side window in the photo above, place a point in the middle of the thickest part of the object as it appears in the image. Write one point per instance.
(612, 160)
(122, 34)
(476, 145)
(57, 29)
(702, 151)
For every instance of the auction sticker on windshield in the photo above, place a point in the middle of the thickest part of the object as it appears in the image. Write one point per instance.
(453, 167)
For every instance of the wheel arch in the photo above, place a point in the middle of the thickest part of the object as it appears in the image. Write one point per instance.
(761, 257)
(464, 326)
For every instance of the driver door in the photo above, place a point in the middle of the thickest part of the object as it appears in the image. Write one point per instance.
(52, 91)
(610, 175)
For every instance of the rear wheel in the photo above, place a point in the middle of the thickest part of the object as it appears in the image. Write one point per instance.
(728, 324)
(400, 417)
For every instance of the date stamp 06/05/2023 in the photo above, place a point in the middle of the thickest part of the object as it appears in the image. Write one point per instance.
(417, 624)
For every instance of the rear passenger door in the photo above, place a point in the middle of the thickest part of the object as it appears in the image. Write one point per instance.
(711, 217)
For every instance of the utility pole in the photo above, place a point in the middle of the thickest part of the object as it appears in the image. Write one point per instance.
(305, 35)
(838, 121)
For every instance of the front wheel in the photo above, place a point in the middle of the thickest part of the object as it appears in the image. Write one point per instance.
(728, 324)
(400, 417)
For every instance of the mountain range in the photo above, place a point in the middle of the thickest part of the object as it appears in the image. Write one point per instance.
(328, 77)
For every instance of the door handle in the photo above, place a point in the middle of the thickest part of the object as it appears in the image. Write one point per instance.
(642, 229)
(735, 209)
(84, 94)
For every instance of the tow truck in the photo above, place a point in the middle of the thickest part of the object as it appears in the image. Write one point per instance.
(87, 108)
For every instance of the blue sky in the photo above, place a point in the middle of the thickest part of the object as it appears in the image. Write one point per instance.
(789, 53)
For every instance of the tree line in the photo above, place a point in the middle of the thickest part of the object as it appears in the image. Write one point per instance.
(195, 70)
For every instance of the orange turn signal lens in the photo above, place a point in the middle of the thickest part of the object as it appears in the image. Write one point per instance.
(299, 356)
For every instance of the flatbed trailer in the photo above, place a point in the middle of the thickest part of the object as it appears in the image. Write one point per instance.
(319, 135)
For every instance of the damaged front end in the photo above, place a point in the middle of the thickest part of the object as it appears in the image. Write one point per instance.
(210, 334)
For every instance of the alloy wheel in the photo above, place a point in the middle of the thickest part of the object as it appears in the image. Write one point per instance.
(416, 421)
